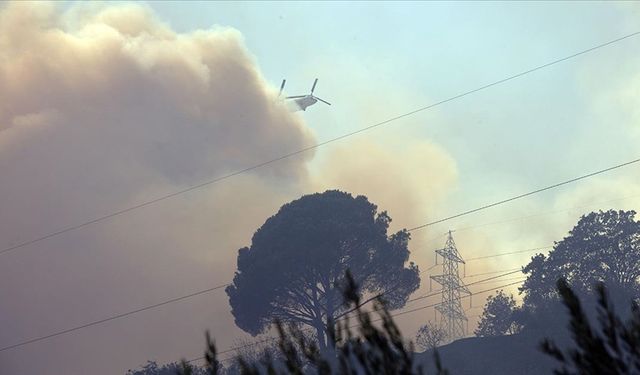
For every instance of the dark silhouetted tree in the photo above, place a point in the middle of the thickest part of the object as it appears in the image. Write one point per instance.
(498, 316)
(613, 348)
(294, 269)
(430, 336)
(602, 247)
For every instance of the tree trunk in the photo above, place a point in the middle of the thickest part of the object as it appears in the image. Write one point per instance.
(322, 338)
(329, 351)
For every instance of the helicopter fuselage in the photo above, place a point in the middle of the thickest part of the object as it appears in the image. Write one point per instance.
(305, 102)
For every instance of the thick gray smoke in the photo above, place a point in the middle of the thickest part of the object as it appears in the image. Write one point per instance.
(105, 107)
(97, 107)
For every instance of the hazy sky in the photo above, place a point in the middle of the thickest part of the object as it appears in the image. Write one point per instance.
(106, 105)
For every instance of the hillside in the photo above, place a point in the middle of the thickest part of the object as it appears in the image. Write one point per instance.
(501, 355)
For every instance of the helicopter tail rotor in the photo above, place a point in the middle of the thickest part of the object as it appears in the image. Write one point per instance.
(324, 101)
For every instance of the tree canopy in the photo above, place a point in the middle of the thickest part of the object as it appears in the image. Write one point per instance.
(603, 247)
(610, 347)
(294, 269)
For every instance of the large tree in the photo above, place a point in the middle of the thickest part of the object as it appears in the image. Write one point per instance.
(295, 267)
(602, 247)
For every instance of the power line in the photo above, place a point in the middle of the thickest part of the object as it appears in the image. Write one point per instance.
(544, 213)
(510, 253)
(114, 317)
(465, 296)
(435, 293)
(430, 268)
(194, 294)
(489, 273)
(122, 315)
(494, 277)
(313, 147)
(197, 293)
(508, 279)
(481, 208)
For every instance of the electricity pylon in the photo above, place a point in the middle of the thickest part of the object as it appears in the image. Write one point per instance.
(452, 316)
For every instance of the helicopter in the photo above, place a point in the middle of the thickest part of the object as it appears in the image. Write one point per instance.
(301, 102)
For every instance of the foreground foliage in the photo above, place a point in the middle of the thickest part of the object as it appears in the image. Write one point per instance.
(376, 346)
(152, 368)
(611, 348)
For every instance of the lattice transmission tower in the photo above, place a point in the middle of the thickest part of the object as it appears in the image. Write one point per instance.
(452, 317)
